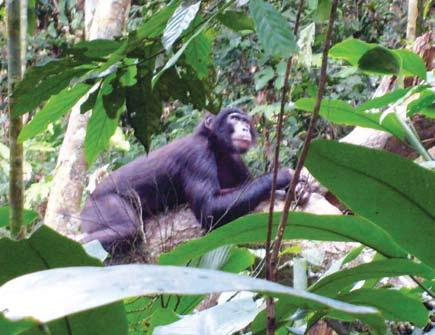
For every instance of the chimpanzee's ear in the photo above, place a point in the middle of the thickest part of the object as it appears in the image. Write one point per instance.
(208, 120)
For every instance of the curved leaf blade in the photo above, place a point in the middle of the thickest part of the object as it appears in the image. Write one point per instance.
(252, 228)
(52, 294)
(236, 20)
(179, 22)
(412, 64)
(383, 101)
(334, 283)
(47, 249)
(380, 60)
(392, 192)
(100, 126)
(350, 50)
(393, 304)
(340, 112)
(56, 107)
(273, 30)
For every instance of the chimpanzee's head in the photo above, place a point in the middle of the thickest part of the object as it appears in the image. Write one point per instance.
(232, 130)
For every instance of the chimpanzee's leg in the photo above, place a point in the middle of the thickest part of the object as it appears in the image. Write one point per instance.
(111, 219)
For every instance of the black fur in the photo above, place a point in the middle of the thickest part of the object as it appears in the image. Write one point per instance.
(202, 169)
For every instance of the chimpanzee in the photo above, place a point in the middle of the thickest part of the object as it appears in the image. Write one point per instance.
(203, 169)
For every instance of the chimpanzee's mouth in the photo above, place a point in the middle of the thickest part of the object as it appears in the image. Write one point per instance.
(242, 142)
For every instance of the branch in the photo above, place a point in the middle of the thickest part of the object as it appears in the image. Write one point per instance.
(285, 90)
(291, 193)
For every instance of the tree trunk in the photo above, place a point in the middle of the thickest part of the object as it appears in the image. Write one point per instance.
(411, 28)
(104, 19)
(16, 185)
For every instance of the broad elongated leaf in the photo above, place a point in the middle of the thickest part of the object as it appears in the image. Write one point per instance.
(28, 216)
(383, 101)
(171, 62)
(333, 284)
(274, 33)
(424, 104)
(95, 49)
(393, 304)
(155, 24)
(340, 112)
(350, 50)
(52, 294)
(41, 82)
(236, 21)
(100, 126)
(198, 55)
(144, 107)
(179, 22)
(46, 249)
(323, 10)
(412, 64)
(392, 192)
(223, 319)
(31, 16)
(56, 107)
(374, 58)
(252, 229)
(379, 60)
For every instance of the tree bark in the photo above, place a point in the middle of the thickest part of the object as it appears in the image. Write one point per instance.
(16, 185)
(104, 19)
(411, 28)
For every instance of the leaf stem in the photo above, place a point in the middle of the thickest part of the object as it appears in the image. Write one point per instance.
(285, 90)
(291, 193)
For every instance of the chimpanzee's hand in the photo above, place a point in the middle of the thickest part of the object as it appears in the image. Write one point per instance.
(303, 190)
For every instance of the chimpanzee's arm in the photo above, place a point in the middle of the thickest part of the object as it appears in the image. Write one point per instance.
(214, 208)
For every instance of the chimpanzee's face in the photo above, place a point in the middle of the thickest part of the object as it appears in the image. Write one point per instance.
(241, 136)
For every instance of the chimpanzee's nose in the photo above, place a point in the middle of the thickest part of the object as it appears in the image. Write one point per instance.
(245, 129)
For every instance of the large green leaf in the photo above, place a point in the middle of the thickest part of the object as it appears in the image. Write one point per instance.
(53, 294)
(394, 305)
(334, 283)
(323, 10)
(179, 22)
(274, 33)
(95, 49)
(350, 50)
(144, 106)
(412, 64)
(252, 229)
(391, 191)
(100, 126)
(425, 104)
(383, 101)
(338, 281)
(57, 106)
(236, 20)
(376, 59)
(198, 55)
(46, 249)
(41, 82)
(379, 60)
(28, 216)
(155, 24)
(173, 60)
(340, 112)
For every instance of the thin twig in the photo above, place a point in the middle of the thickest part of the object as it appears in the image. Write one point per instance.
(291, 193)
(276, 156)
